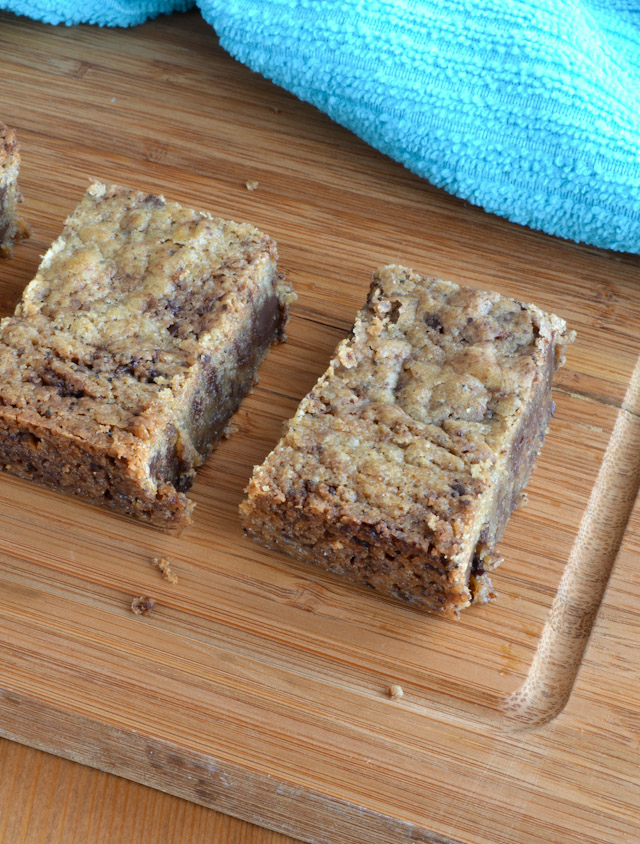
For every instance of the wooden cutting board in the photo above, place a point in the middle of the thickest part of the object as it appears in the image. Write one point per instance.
(260, 687)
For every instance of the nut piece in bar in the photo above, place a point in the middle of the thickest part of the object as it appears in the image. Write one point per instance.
(132, 347)
(401, 467)
(13, 229)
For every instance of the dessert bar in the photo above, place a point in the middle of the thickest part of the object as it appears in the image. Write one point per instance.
(131, 349)
(401, 467)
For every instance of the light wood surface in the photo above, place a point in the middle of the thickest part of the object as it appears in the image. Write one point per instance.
(259, 687)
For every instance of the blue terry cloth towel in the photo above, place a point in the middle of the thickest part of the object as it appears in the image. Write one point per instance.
(528, 108)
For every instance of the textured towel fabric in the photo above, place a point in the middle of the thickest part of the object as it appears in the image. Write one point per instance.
(529, 108)
(101, 12)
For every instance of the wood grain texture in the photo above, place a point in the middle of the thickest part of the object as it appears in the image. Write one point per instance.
(260, 687)
(48, 799)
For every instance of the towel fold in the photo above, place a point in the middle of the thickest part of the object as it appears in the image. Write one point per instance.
(100, 12)
(528, 108)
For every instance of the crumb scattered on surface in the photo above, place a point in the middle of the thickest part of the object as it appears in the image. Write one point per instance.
(230, 430)
(395, 692)
(165, 567)
(251, 184)
(144, 605)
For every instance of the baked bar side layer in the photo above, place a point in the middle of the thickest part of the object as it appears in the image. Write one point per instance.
(316, 497)
(77, 467)
(13, 229)
(517, 459)
(367, 554)
(122, 366)
(225, 374)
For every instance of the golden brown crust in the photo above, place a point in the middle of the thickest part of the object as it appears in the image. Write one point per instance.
(402, 465)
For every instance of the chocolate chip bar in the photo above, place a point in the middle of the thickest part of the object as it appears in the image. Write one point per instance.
(131, 349)
(401, 467)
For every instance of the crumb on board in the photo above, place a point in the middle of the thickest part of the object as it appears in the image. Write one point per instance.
(395, 692)
(165, 567)
(230, 430)
(251, 184)
(143, 605)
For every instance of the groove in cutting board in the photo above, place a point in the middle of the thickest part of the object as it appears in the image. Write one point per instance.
(566, 633)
